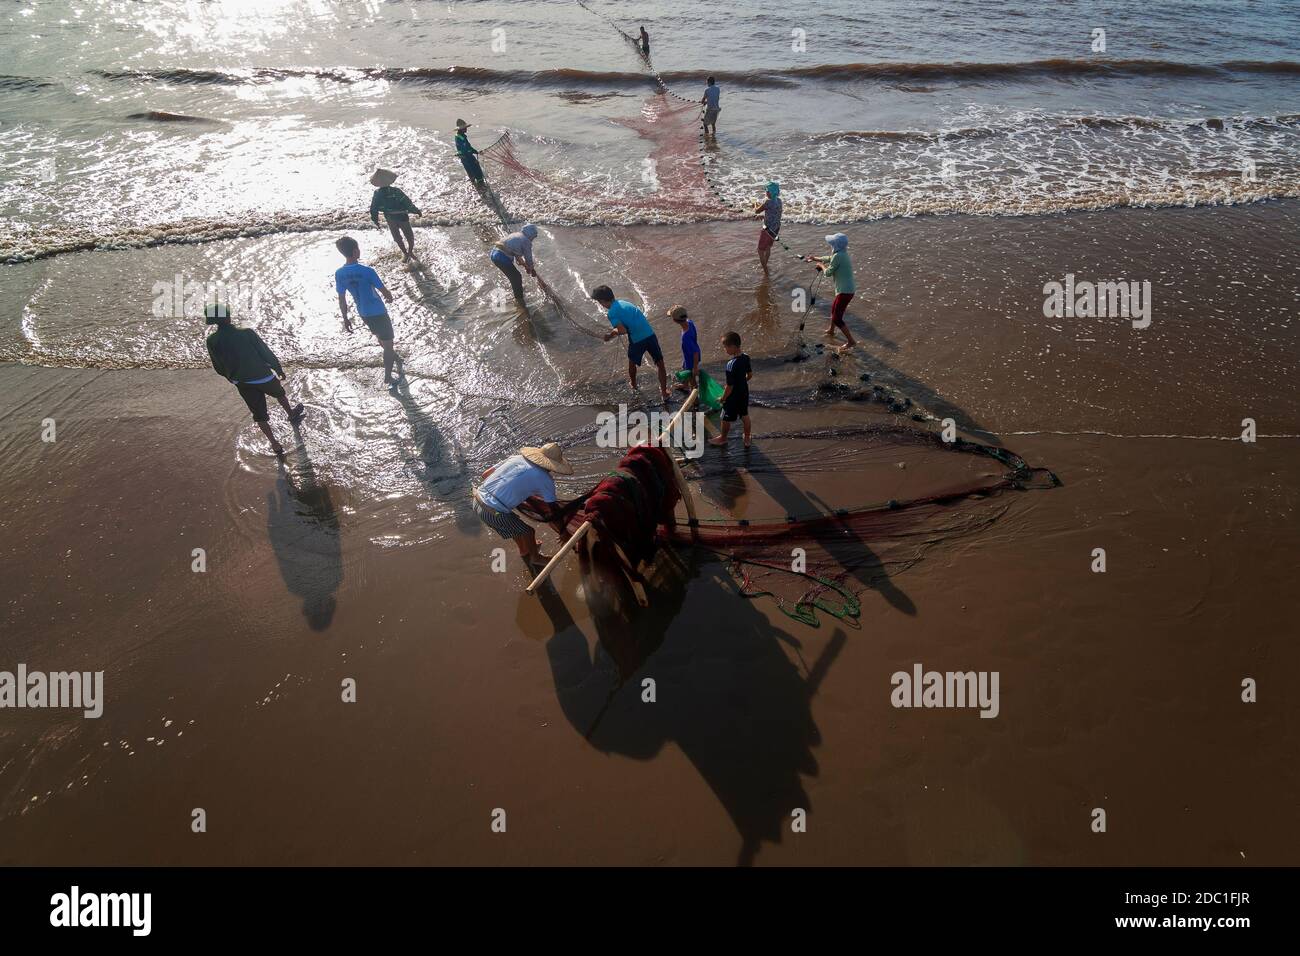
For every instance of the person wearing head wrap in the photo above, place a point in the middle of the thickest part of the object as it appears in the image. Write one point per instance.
(243, 359)
(771, 208)
(466, 153)
(840, 268)
(516, 248)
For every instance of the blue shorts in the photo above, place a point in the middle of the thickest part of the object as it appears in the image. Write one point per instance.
(637, 350)
(380, 325)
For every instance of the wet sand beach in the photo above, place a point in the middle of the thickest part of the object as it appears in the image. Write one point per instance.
(359, 558)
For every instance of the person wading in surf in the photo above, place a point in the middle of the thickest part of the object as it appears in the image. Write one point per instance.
(838, 266)
(771, 209)
(628, 320)
(242, 358)
(516, 247)
(645, 42)
(366, 288)
(397, 209)
(466, 152)
(506, 485)
(712, 100)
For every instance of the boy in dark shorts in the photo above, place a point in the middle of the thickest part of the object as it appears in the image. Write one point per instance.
(628, 320)
(366, 288)
(241, 357)
(735, 399)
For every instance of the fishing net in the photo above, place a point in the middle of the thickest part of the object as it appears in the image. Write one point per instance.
(819, 562)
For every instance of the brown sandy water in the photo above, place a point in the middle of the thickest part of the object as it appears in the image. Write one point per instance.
(359, 560)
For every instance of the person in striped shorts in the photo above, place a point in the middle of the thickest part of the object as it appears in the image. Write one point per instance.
(505, 485)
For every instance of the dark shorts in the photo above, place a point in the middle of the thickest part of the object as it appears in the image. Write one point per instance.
(838, 305)
(398, 219)
(381, 325)
(734, 408)
(472, 168)
(254, 397)
(507, 524)
(711, 116)
(637, 350)
(765, 239)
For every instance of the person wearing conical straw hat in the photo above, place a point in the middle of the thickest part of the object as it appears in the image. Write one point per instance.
(506, 485)
(397, 209)
(466, 152)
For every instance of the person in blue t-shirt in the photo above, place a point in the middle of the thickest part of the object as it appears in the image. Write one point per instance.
(366, 288)
(628, 320)
(691, 355)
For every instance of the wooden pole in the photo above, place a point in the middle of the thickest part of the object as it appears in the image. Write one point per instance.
(690, 400)
(550, 565)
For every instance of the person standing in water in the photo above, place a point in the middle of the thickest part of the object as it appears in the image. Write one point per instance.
(366, 288)
(771, 209)
(690, 349)
(507, 484)
(467, 154)
(397, 209)
(516, 247)
(628, 320)
(645, 42)
(242, 358)
(712, 100)
(840, 268)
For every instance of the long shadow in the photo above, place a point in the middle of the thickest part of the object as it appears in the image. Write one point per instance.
(303, 527)
(725, 691)
(439, 464)
(851, 550)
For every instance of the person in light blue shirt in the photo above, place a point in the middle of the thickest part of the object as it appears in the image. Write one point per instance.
(628, 320)
(712, 100)
(507, 485)
(366, 288)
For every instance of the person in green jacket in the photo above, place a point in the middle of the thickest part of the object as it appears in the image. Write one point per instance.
(241, 357)
(839, 267)
(396, 207)
(466, 153)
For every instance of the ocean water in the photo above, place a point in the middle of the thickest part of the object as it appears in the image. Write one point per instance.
(131, 123)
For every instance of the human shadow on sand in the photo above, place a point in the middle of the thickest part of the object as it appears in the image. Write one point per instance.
(303, 527)
(726, 692)
(850, 549)
(438, 464)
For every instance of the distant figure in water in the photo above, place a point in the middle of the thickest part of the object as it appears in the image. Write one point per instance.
(241, 357)
(712, 100)
(516, 247)
(366, 288)
(506, 485)
(840, 267)
(466, 152)
(628, 320)
(645, 42)
(397, 209)
(771, 209)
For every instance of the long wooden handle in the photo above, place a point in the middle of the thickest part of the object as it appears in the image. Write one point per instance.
(690, 400)
(559, 555)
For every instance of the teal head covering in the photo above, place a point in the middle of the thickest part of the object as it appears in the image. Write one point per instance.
(773, 190)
